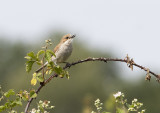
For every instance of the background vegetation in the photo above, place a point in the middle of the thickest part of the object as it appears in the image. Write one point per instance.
(88, 81)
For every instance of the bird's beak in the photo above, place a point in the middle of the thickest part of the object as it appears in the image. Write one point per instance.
(73, 36)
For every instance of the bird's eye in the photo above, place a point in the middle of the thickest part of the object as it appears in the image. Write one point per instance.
(67, 37)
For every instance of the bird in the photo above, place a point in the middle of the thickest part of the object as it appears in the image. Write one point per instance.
(62, 51)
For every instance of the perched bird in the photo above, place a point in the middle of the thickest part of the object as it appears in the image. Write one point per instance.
(62, 51)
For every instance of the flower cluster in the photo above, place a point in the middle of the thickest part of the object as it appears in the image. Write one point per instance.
(42, 107)
(135, 106)
(98, 105)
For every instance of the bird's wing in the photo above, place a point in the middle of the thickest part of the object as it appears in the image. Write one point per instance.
(56, 48)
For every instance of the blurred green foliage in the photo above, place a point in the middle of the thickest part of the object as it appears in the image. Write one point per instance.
(88, 81)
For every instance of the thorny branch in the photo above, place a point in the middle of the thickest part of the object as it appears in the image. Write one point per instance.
(130, 64)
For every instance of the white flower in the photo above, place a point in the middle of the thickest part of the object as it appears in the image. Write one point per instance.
(52, 107)
(97, 101)
(143, 111)
(40, 101)
(117, 94)
(93, 112)
(33, 110)
(135, 100)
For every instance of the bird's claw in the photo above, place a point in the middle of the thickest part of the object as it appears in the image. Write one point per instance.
(68, 64)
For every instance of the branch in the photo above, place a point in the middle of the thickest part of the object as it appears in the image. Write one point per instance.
(127, 60)
(112, 59)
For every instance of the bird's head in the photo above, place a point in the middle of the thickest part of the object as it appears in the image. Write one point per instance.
(67, 38)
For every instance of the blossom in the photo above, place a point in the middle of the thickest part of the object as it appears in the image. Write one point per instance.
(117, 94)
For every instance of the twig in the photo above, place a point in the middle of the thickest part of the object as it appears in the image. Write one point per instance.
(131, 62)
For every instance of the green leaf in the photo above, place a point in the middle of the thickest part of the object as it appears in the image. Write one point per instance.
(2, 108)
(39, 53)
(36, 76)
(28, 57)
(40, 79)
(29, 65)
(7, 105)
(61, 72)
(39, 74)
(31, 54)
(18, 102)
(9, 93)
(48, 56)
(39, 62)
(33, 94)
(50, 71)
(58, 69)
(50, 65)
(51, 52)
(12, 104)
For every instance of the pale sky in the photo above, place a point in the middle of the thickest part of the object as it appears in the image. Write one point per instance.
(120, 26)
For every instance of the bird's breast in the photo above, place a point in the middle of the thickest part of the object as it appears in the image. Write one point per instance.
(63, 52)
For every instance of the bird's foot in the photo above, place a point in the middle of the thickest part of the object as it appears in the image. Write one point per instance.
(67, 64)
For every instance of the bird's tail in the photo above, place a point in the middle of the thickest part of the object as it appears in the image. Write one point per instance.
(38, 70)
